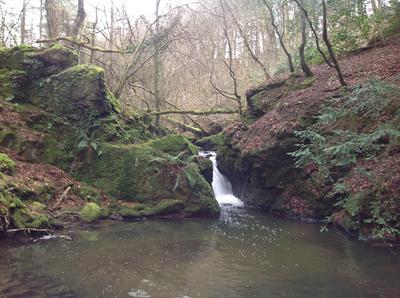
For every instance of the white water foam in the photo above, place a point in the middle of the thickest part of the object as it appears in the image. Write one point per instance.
(221, 186)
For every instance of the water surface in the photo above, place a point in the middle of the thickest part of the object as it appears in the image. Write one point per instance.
(242, 254)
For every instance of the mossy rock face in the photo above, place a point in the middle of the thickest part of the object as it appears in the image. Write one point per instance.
(21, 67)
(55, 59)
(174, 145)
(141, 173)
(7, 165)
(15, 58)
(90, 212)
(129, 130)
(39, 63)
(79, 94)
(206, 168)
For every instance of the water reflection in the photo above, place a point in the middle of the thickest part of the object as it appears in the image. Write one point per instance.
(243, 254)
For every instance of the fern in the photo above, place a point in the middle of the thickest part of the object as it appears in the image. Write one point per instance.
(190, 177)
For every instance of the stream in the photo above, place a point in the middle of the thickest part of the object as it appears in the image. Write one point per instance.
(244, 253)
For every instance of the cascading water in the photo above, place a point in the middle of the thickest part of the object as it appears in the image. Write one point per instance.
(221, 186)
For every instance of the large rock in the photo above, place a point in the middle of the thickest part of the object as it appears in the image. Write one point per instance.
(143, 174)
(21, 68)
(78, 93)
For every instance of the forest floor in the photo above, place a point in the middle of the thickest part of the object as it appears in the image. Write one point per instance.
(381, 62)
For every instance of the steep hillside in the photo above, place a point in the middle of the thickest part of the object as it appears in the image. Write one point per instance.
(314, 151)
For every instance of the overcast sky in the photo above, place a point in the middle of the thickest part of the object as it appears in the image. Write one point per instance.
(134, 7)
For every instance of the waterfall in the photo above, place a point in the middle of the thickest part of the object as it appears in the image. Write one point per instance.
(221, 186)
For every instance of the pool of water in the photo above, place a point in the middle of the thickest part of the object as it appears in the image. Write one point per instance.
(243, 254)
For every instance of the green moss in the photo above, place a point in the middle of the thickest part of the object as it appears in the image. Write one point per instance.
(78, 93)
(211, 142)
(14, 58)
(88, 193)
(129, 213)
(38, 205)
(206, 168)
(28, 215)
(115, 129)
(90, 212)
(124, 171)
(163, 208)
(201, 201)
(9, 83)
(7, 165)
(174, 145)
(166, 207)
(141, 173)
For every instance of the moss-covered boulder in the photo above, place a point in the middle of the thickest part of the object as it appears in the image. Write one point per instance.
(21, 67)
(39, 63)
(78, 93)
(174, 145)
(90, 212)
(144, 174)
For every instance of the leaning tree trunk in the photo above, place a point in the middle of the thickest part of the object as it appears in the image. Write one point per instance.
(280, 37)
(303, 63)
(329, 45)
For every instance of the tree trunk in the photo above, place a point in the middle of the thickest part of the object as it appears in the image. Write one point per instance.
(329, 46)
(23, 20)
(374, 6)
(303, 63)
(80, 19)
(41, 19)
(314, 33)
(51, 18)
(157, 66)
(280, 37)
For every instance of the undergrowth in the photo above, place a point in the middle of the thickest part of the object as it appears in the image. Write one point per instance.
(356, 128)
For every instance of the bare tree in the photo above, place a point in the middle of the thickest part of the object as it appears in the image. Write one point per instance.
(280, 36)
(247, 44)
(329, 45)
(234, 94)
